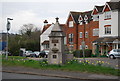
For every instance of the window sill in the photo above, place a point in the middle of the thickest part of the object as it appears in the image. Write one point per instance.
(107, 34)
(107, 19)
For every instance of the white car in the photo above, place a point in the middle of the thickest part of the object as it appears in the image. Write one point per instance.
(115, 53)
(29, 53)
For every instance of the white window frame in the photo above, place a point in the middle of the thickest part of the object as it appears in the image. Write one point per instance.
(107, 30)
(80, 34)
(86, 34)
(71, 37)
(107, 14)
(80, 47)
(96, 32)
(71, 24)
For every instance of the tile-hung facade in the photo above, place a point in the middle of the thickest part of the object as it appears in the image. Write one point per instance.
(109, 28)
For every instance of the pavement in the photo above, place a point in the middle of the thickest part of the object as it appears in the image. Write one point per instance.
(59, 73)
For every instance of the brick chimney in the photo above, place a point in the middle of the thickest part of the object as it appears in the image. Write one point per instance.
(45, 22)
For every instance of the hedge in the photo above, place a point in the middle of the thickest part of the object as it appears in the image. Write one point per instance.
(79, 53)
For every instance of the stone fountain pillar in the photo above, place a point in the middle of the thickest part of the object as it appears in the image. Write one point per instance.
(56, 40)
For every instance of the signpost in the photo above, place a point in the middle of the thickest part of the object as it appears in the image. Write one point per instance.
(83, 48)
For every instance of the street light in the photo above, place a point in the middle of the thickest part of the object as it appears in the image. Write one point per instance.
(83, 42)
(8, 28)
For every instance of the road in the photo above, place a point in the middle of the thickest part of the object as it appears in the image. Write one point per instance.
(25, 76)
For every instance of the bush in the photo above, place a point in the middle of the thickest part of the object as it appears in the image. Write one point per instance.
(93, 55)
(79, 53)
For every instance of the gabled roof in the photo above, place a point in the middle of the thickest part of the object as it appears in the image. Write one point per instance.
(99, 8)
(48, 25)
(114, 5)
(75, 15)
(88, 14)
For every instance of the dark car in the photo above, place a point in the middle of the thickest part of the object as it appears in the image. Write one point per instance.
(43, 54)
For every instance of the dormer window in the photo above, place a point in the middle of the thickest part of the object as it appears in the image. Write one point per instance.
(107, 11)
(107, 15)
(71, 24)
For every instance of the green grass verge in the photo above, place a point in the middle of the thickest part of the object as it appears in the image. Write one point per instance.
(69, 66)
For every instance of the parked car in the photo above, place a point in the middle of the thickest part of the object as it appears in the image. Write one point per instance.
(115, 53)
(37, 53)
(4, 53)
(44, 53)
(30, 53)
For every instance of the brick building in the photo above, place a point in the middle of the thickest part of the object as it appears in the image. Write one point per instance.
(71, 28)
(99, 28)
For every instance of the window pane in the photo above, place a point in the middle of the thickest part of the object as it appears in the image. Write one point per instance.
(107, 30)
(86, 34)
(107, 15)
(80, 34)
(70, 23)
(54, 56)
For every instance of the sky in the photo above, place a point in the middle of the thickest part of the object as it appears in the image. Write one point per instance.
(36, 11)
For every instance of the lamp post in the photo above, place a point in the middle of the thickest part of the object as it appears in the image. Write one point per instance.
(8, 28)
(83, 42)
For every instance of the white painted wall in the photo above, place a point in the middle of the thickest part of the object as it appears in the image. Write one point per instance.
(45, 35)
(119, 23)
(113, 22)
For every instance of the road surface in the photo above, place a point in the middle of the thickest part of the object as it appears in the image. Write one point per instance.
(25, 76)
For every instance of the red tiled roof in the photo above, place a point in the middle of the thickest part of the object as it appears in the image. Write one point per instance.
(46, 27)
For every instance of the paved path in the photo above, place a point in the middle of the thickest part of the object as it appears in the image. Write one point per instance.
(57, 73)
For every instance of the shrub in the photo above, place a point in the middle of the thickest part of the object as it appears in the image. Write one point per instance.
(93, 55)
(79, 53)
(43, 62)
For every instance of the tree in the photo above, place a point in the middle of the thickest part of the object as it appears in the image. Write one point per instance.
(29, 40)
(27, 29)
